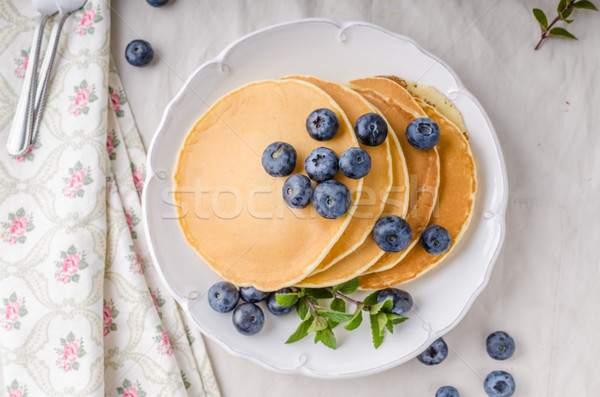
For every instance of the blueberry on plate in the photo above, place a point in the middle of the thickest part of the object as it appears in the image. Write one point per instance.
(402, 301)
(252, 295)
(371, 129)
(157, 3)
(322, 124)
(139, 53)
(355, 163)
(297, 191)
(500, 345)
(223, 296)
(392, 233)
(332, 199)
(435, 353)
(321, 164)
(447, 391)
(248, 319)
(276, 308)
(279, 159)
(435, 239)
(423, 133)
(499, 384)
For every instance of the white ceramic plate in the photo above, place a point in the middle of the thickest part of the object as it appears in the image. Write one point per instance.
(338, 52)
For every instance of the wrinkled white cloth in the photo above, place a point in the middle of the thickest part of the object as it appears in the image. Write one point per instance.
(542, 104)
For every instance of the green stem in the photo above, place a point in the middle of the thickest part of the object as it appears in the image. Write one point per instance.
(545, 33)
(348, 299)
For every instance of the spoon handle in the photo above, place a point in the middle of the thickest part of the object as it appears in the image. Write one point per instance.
(45, 74)
(20, 132)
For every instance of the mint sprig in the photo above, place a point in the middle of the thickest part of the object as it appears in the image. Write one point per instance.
(564, 9)
(321, 320)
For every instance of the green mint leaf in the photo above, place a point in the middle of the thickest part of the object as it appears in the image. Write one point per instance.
(319, 323)
(302, 309)
(382, 320)
(318, 293)
(348, 287)
(326, 337)
(396, 319)
(356, 319)
(377, 335)
(332, 324)
(562, 4)
(301, 331)
(338, 305)
(335, 316)
(286, 299)
(561, 32)
(371, 299)
(390, 327)
(385, 305)
(585, 5)
(541, 18)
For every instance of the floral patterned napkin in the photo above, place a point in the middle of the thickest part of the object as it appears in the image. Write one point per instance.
(82, 310)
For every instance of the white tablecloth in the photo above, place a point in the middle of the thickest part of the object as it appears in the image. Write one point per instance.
(544, 106)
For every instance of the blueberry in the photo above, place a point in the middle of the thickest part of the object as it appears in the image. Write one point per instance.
(500, 345)
(279, 159)
(355, 162)
(297, 191)
(447, 391)
(139, 53)
(402, 301)
(275, 307)
(321, 164)
(392, 233)
(435, 239)
(499, 384)
(435, 353)
(332, 199)
(248, 319)
(322, 124)
(423, 133)
(371, 129)
(252, 295)
(223, 296)
(157, 3)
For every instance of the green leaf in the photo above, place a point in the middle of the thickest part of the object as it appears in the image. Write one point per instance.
(585, 5)
(336, 316)
(75, 278)
(84, 84)
(371, 299)
(79, 193)
(356, 320)
(318, 293)
(541, 18)
(11, 217)
(396, 319)
(85, 110)
(72, 250)
(286, 299)
(126, 383)
(390, 327)
(332, 324)
(562, 4)
(319, 323)
(120, 390)
(384, 305)
(302, 309)
(70, 337)
(348, 287)
(75, 366)
(338, 305)
(301, 331)
(566, 15)
(377, 334)
(91, 29)
(78, 165)
(13, 297)
(110, 90)
(326, 337)
(561, 32)
(23, 312)
(21, 212)
(17, 325)
(21, 239)
(382, 320)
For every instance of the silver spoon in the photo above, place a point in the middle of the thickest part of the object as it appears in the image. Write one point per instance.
(19, 136)
(65, 9)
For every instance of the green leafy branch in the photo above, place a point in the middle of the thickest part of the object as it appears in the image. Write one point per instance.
(564, 9)
(321, 320)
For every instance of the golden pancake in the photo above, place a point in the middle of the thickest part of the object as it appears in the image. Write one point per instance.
(376, 184)
(456, 200)
(400, 108)
(231, 211)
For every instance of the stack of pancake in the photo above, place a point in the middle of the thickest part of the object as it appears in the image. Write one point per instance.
(232, 212)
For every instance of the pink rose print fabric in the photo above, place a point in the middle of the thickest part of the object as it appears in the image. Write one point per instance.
(139, 175)
(112, 142)
(117, 100)
(109, 315)
(129, 389)
(15, 230)
(84, 20)
(163, 346)
(84, 95)
(79, 177)
(22, 63)
(69, 353)
(28, 155)
(12, 311)
(16, 390)
(71, 262)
